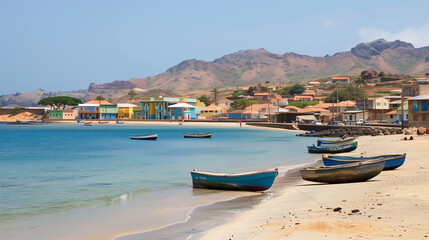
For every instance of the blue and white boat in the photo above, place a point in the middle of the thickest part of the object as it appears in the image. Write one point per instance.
(252, 181)
(391, 161)
(332, 142)
(333, 149)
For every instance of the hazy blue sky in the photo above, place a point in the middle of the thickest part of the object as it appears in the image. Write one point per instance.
(64, 45)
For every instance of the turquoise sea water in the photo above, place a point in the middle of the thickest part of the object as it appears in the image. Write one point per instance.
(56, 168)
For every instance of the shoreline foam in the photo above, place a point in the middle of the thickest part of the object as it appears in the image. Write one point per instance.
(196, 226)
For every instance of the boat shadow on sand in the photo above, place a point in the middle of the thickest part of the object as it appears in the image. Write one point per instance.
(321, 184)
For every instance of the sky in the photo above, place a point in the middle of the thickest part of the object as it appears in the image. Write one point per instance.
(65, 45)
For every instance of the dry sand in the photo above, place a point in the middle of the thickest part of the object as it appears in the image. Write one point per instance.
(22, 116)
(393, 205)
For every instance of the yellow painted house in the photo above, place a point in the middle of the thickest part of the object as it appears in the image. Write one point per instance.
(125, 110)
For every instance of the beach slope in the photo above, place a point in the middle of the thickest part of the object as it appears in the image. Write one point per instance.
(393, 205)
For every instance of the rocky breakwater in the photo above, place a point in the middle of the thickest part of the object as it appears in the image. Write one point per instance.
(361, 131)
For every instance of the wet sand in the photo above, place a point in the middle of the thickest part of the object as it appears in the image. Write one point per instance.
(393, 205)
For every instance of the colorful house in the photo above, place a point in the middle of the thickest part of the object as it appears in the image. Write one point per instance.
(55, 114)
(91, 109)
(108, 111)
(418, 111)
(70, 114)
(166, 108)
(137, 112)
(125, 110)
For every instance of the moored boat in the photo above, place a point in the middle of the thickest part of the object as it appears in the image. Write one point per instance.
(152, 136)
(120, 122)
(391, 161)
(252, 181)
(87, 123)
(198, 135)
(333, 149)
(352, 172)
(331, 142)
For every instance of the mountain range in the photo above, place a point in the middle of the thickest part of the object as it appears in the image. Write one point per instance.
(255, 66)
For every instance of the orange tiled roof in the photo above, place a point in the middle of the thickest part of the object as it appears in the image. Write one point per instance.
(393, 112)
(101, 102)
(261, 94)
(211, 107)
(338, 78)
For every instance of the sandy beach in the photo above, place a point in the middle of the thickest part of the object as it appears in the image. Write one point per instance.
(393, 205)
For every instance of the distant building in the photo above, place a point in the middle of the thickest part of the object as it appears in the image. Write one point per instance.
(391, 116)
(213, 110)
(340, 79)
(418, 111)
(168, 108)
(108, 111)
(55, 114)
(125, 110)
(226, 102)
(70, 114)
(91, 109)
(418, 86)
(303, 98)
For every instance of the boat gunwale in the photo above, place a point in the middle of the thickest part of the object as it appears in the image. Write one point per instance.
(354, 164)
(144, 135)
(325, 156)
(234, 174)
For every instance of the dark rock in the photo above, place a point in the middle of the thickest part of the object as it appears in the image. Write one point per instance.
(355, 210)
(337, 209)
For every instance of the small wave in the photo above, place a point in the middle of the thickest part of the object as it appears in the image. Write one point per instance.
(122, 198)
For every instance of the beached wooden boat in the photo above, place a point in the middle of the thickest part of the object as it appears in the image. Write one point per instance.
(152, 136)
(391, 161)
(120, 122)
(333, 149)
(352, 172)
(87, 123)
(198, 135)
(331, 142)
(252, 181)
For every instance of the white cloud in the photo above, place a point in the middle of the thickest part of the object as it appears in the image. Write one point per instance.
(329, 23)
(418, 36)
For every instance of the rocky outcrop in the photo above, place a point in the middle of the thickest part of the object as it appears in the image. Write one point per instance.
(368, 50)
(360, 131)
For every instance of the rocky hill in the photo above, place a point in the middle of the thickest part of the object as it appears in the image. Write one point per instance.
(256, 66)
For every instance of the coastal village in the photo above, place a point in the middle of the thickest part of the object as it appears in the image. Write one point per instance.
(303, 104)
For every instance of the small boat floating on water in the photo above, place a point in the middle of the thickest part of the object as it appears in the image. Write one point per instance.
(87, 123)
(252, 181)
(391, 161)
(198, 135)
(331, 142)
(120, 122)
(347, 173)
(152, 136)
(333, 149)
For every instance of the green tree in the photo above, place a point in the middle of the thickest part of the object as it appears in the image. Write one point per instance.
(14, 111)
(110, 100)
(132, 94)
(59, 101)
(302, 104)
(242, 103)
(215, 92)
(99, 97)
(206, 100)
(348, 93)
(297, 89)
(360, 82)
